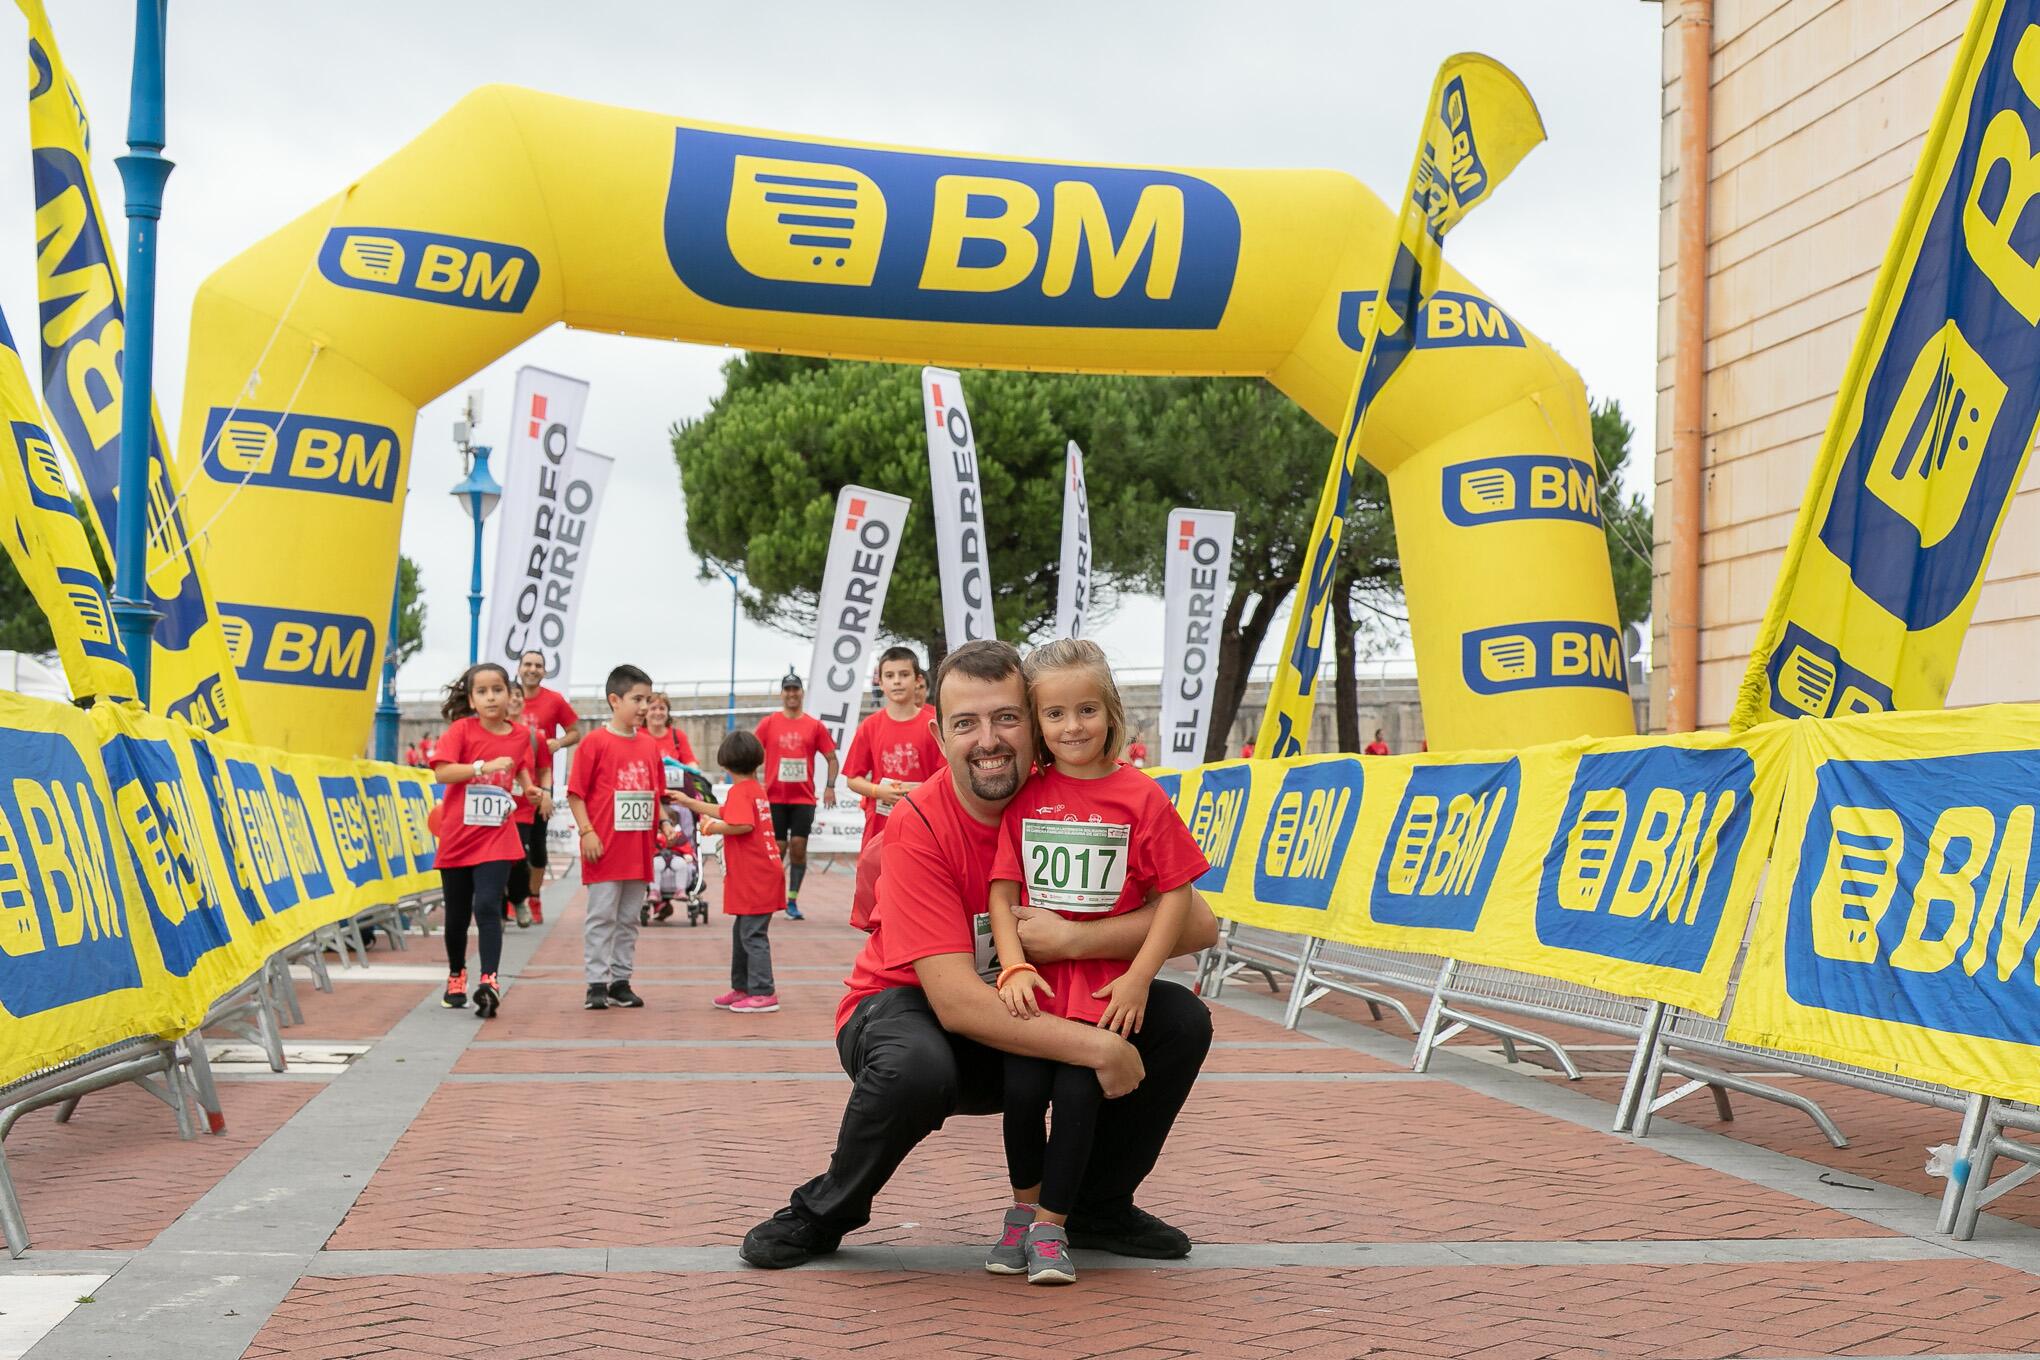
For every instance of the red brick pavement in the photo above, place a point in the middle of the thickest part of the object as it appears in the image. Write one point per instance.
(1498, 1313)
(678, 1163)
(358, 1009)
(117, 1175)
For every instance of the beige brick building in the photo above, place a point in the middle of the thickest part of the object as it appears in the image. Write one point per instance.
(1818, 113)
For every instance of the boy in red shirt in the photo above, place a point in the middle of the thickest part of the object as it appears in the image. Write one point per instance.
(752, 878)
(894, 749)
(615, 790)
(792, 739)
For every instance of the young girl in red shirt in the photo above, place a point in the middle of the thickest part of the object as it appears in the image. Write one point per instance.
(1087, 836)
(754, 881)
(485, 762)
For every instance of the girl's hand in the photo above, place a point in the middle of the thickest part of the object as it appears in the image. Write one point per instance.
(1125, 998)
(1018, 994)
(591, 846)
(498, 765)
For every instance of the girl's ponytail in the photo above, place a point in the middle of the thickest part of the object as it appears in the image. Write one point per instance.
(457, 705)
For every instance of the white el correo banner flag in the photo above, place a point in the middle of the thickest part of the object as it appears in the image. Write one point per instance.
(1073, 582)
(546, 522)
(863, 545)
(1196, 579)
(959, 510)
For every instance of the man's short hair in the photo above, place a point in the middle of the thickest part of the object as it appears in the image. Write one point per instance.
(529, 651)
(988, 660)
(906, 654)
(622, 679)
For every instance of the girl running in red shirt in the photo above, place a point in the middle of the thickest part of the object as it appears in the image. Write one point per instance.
(1087, 836)
(485, 762)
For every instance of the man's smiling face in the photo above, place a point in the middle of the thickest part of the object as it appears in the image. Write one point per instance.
(986, 736)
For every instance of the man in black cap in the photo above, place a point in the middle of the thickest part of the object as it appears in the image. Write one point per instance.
(792, 738)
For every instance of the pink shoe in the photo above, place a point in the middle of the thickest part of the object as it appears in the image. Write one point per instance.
(755, 1005)
(728, 1000)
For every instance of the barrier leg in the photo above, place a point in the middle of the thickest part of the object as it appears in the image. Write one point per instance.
(1639, 1062)
(1221, 954)
(1647, 1102)
(1981, 1161)
(1427, 1036)
(269, 1029)
(1300, 994)
(349, 933)
(1958, 1174)
(67, 1108)
(202, 1083)
(287, 1009)
(173, 1094)
(11, 1221)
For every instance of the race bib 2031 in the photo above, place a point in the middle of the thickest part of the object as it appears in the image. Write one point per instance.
(633, 809)
(794, 770)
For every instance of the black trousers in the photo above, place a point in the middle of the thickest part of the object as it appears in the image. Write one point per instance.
(910, 1075)
(474, 892)
(1054, 1159)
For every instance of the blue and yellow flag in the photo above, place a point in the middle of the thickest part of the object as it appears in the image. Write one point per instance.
(46, 542)
(83, 327)
(1935, 416)
(1479, 125)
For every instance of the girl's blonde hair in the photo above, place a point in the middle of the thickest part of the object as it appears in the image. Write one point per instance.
(1075, 654)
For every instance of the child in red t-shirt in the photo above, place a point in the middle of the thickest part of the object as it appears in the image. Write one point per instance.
(614, 789)
(1085, 837)
(754, 881)
(484, 760)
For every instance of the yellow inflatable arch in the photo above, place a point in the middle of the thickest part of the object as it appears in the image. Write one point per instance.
(312, 351)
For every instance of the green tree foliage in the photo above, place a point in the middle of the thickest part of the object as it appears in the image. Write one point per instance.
(410, 610)
(1626, 518)
(23, 625)
(761, 470)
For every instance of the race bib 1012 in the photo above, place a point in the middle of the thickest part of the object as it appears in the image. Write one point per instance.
(1074, 866)
(485, 805)
(633, 809)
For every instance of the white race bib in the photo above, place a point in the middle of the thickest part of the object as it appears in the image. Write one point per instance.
(633, 809)
(1074, 866)
(794, 770)
(485, 805)
(984, 951)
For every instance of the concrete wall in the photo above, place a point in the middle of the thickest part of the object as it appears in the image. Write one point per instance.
(1820, 109)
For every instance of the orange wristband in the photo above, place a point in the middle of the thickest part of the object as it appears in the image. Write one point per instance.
(1006, 974)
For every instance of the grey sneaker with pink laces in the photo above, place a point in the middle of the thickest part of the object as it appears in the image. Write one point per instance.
(1006, 1257)
(1047, 1248)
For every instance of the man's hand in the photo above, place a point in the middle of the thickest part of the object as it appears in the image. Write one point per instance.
(1122, 1071)
(828, 795)
(1047, 937)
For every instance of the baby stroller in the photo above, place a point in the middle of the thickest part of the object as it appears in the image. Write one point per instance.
(676, 863)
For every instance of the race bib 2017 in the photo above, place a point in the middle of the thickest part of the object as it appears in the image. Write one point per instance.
(1074, 866)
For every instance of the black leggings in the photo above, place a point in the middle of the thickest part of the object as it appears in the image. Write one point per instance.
(520, 881)
(1057, 1160)
(467, 887)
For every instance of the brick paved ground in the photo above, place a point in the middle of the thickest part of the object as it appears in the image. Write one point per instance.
(564, 1183)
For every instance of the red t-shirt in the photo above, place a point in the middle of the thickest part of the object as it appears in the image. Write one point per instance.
(1137, 753)
(620, 780)
(674, 744)
(484, 828)
(886, 748)
(549, 714)
(526, 811)
(754, 883)
(938, 862)
(791, 745)
(1376, 748)
(1087, 848)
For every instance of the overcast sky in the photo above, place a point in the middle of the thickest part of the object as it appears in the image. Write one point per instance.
(273, 107)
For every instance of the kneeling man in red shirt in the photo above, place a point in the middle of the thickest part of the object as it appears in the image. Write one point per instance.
(924, 1037)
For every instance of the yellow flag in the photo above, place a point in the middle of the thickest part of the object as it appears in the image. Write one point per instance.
(83, 324)
(47, 544)
(1936, 414)
(1479, 125)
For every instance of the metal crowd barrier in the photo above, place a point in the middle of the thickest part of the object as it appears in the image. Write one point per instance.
(1360, 972)
(1242, 949)
(1977, 1151)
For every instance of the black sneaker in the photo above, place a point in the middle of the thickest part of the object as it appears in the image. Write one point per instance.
(487, 998)
(622, 996)
(597, 998)
(1128, 1232)
(786, 1239)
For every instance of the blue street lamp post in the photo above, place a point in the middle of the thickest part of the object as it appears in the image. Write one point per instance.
(730, 718)
(143, 173)
(386, 713)
(478, 492)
